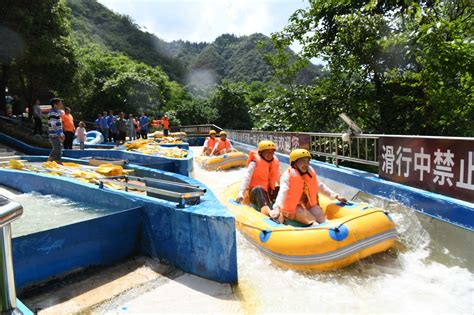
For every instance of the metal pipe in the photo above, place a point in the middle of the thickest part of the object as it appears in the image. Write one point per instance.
(7, 289)
(9, 212)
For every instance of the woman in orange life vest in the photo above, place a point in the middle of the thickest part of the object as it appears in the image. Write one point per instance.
(222, 145)
(209, 143)
(263, 173)
(298, 195)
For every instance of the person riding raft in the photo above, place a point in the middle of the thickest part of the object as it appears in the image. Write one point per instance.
(298, 194)
(263, 173)
(209, 143)
(222, 145)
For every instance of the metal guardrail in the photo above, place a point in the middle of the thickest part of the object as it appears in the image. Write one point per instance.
(335, 147)
(362, 149)
(9, 212)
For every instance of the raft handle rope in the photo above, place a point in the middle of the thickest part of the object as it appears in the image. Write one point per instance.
(335, 229)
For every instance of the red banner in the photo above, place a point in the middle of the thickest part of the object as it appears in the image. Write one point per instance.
(285, 141)
(442, 166)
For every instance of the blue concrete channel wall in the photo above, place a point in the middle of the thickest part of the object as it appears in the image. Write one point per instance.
(107, 145)
(198, 239)
(450, 210)
(183, 166)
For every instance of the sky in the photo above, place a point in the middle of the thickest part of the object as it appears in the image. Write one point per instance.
(204, 20)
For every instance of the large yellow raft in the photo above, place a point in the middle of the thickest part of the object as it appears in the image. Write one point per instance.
(222, 162)
(353, 232)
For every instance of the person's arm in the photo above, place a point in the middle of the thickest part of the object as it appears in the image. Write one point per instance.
(215, 148)
(276, 212)
(284, 187)
(246, 181)
(328, 192)
(205, 145)
(231, 147)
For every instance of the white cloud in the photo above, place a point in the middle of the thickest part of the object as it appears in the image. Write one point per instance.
(204, 20)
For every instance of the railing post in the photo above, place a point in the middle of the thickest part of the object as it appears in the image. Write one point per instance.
(9, 211)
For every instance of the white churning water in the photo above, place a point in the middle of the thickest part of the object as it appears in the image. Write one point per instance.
(403, 280)
(44, 212)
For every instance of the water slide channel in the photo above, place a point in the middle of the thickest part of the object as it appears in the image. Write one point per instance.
(420, 275)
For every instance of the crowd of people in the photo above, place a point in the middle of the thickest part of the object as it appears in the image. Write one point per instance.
(115, 129)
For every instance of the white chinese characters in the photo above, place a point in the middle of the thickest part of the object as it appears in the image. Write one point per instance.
(438, 167)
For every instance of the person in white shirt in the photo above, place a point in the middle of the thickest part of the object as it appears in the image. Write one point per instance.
(298, 195)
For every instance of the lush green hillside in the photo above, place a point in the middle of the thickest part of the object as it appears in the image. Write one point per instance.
(232, 58)
(93, 22)
(228, 58)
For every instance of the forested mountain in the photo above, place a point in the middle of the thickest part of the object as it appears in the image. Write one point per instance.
(93, 22)
(229, 57)
(235, 59)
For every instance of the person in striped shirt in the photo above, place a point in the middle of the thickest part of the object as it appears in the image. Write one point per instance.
(55, 130)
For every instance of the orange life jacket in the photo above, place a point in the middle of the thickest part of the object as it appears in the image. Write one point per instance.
(68, 122)
(265, 173)
(211, 142)
(296, 187)
(165, 123)
(221, 145)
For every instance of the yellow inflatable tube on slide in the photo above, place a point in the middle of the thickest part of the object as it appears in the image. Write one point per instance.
(222, 162)
(351, 233)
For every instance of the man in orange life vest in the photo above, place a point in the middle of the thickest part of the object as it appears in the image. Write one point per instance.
(263, 173)
(209, 143)
(166, 125)
(222, 145)
(298, 195)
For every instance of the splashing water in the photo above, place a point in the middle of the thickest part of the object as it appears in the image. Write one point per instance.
(401, 280)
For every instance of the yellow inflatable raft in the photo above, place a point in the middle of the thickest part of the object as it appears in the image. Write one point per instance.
(353, 232)
(222, 162)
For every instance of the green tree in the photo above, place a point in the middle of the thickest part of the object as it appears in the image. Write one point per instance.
(400, 67)
(114, 81)
(189, 110)
(45, 62)
(230, 100)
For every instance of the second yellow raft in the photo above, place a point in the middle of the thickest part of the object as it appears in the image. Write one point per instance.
(222, 162)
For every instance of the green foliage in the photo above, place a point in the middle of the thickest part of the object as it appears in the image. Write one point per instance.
(92, 22)
(187, 109)
(399, 67)
(285, 65)
(45, 61)
(302, 108)
(114, 81)
(234, 59)
(231, 102)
